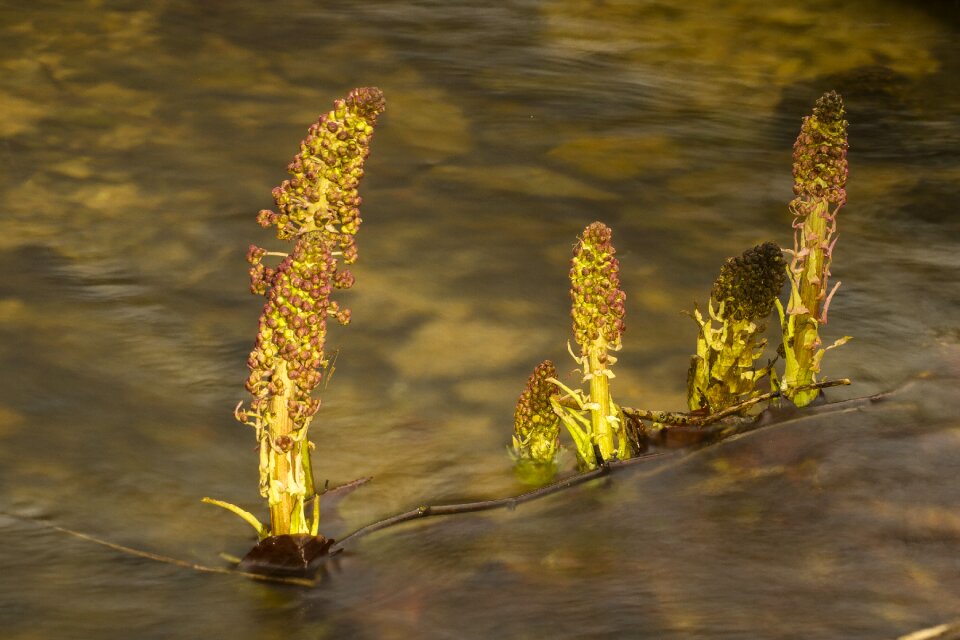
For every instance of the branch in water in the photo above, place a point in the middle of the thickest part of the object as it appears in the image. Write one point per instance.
(695, 420)
(156, 557)
(485, 505)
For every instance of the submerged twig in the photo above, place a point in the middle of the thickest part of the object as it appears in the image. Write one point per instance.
(604, 469)
(751, 427)
(338, 490)
(499, 503)
(156, 557)
(696, 420)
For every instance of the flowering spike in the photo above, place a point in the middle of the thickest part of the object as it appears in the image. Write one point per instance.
(820, 157)
(285, 368)
(537, 427)
(318, 210)
(820, 178)
(293, 326)
(722, 371)
(598, 311)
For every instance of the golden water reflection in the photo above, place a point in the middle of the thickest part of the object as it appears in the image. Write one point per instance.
(138, 142)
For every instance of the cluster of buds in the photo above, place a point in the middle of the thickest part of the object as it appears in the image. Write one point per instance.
(723, 376)
(597, 311)
(722, 372)
(286, 366)
(293, 326)
(536, 436)
(820, 157)
(749, 284)
(318, 210)
(820, 177)
(321, 194)
(598, 301)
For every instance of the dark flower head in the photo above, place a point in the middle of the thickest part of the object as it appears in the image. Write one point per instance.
(748, 284)
(820, 154)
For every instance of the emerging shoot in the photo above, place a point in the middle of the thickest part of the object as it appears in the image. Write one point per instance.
(820, 177)
(536, 437)
(722, 372)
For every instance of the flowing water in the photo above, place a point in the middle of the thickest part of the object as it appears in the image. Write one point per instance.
(137, 143)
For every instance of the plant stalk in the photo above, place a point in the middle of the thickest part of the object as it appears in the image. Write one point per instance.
(600, 406)
(803, 326)
(289, 475)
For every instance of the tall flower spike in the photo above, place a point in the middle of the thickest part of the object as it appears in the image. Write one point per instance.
(722, 371)
(318, 209)
(598, 311)
(321, 194)
(820, 178)
(536, 436)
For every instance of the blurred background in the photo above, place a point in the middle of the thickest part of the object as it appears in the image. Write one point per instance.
(137, 143)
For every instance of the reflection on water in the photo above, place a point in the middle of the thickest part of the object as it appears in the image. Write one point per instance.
(138, 142)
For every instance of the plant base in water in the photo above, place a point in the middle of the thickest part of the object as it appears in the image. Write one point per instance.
(535, 473)
(296, 555)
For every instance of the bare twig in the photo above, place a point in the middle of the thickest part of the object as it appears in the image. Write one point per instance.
(337, 491)
(500, 503)
(300, 582)
(694, 420)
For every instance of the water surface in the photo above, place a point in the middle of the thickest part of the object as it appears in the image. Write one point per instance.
(137, 144)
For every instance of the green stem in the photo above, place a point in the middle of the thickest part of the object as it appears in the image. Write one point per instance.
(600, 408)
(287, 469)
(803, 310)
(570, 417)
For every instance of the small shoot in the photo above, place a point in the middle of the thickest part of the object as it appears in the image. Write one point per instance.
(263, 531)
(722, 373)
(536, 437)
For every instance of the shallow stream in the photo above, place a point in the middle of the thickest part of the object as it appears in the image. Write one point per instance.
(139, 140)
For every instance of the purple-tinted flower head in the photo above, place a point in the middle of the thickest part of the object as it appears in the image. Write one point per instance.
(820, 155)
(536, 426)
(321, 194)
(598, 301)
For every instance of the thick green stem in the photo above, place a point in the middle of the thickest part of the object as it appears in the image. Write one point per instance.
(600, 407)
(804, 308)
(288, 466)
